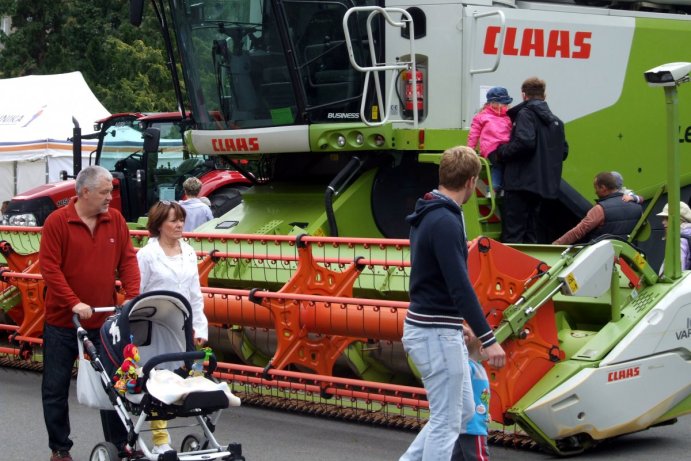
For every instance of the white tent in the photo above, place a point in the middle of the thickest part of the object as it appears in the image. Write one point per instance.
(35, 124)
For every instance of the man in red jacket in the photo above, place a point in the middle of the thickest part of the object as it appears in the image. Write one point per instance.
(83, 247)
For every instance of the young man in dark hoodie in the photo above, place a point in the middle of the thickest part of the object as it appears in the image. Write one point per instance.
(532, 161)
(441, 298)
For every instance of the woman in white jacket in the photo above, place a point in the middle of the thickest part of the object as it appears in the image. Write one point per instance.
(167, 262)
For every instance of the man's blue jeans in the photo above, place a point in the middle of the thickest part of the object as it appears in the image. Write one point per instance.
(59, 354)
(441, 357)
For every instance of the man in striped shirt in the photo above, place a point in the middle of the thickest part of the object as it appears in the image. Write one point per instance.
(441, 299)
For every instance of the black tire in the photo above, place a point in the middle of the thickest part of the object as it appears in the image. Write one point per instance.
(191, 443)
(224, 200)
(104, 451)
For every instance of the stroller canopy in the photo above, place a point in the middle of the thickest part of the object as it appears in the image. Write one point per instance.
(157, 322)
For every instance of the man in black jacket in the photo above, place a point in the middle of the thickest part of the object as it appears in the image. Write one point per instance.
(610, 216)
(532, 162)
(441, 299)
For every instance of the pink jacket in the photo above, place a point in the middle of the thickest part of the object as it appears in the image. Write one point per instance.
(491, 129)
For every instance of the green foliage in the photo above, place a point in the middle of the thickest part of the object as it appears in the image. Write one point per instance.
(126, 67)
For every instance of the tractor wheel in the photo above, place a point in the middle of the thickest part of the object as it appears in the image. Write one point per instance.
(104, 451)
(224, 200)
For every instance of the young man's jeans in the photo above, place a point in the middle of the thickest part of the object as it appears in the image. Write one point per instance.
(441, 357)
(59, 354)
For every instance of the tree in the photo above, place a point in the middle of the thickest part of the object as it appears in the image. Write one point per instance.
(126, 67)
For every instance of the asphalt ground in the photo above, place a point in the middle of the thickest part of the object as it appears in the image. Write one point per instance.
(268, 435)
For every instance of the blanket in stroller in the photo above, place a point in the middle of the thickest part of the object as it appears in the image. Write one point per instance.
(170, 388)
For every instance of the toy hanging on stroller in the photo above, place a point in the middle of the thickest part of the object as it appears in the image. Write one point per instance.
(158, 326)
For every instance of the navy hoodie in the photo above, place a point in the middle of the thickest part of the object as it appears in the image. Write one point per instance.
(441, 295)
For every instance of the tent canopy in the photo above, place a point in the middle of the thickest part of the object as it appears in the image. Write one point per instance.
(36, 123)
(36, 114)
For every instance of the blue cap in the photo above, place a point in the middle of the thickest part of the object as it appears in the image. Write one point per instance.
(499, 94)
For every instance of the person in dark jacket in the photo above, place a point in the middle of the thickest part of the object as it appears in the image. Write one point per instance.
(441, 299)
(610, 216)
(532, 161)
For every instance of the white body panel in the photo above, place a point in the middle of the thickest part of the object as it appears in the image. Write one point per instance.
(590, 273)
(614, 400)
(644, 376)
(667, 327)
(456, 43)
(253, 141)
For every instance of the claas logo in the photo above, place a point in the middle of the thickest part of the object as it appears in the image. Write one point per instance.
(235, 144)
(623, 374)
(539, 43)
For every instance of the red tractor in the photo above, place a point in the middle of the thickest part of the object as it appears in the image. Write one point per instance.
(147, 157)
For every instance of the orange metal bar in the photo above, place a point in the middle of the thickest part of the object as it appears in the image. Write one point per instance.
(205, 266)
(335, 386)
(10, 351)
(335, 315)
(629, 272)
(326, 315)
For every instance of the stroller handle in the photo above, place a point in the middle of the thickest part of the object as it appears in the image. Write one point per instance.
(81, 332)
(75, 317)
(180, 356)
(78, 324)
(82, 336)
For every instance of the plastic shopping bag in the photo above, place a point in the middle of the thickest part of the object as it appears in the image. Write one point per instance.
(90, 391)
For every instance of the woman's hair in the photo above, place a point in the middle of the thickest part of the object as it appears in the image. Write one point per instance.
(158, 214)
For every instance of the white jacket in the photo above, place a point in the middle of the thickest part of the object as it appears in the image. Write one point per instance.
(158, 272)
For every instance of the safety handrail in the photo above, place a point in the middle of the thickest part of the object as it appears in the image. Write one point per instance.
(502, 30)
(379, 67)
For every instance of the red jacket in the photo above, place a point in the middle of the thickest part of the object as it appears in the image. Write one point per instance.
(80, 267)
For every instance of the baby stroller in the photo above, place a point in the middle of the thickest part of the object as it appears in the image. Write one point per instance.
(159, 324)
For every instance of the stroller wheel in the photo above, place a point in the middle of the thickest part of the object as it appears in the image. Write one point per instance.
(104, 451)
(191, 443)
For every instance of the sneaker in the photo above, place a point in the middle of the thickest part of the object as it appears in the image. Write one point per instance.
(160, 449)
(61, 455)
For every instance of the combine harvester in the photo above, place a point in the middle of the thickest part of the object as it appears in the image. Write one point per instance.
(342, 109)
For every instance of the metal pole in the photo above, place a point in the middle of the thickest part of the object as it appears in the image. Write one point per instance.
(672, 245)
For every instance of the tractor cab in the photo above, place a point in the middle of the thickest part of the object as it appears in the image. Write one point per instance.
(147, 159)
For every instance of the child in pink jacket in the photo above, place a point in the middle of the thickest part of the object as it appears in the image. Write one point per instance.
(492, 127)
